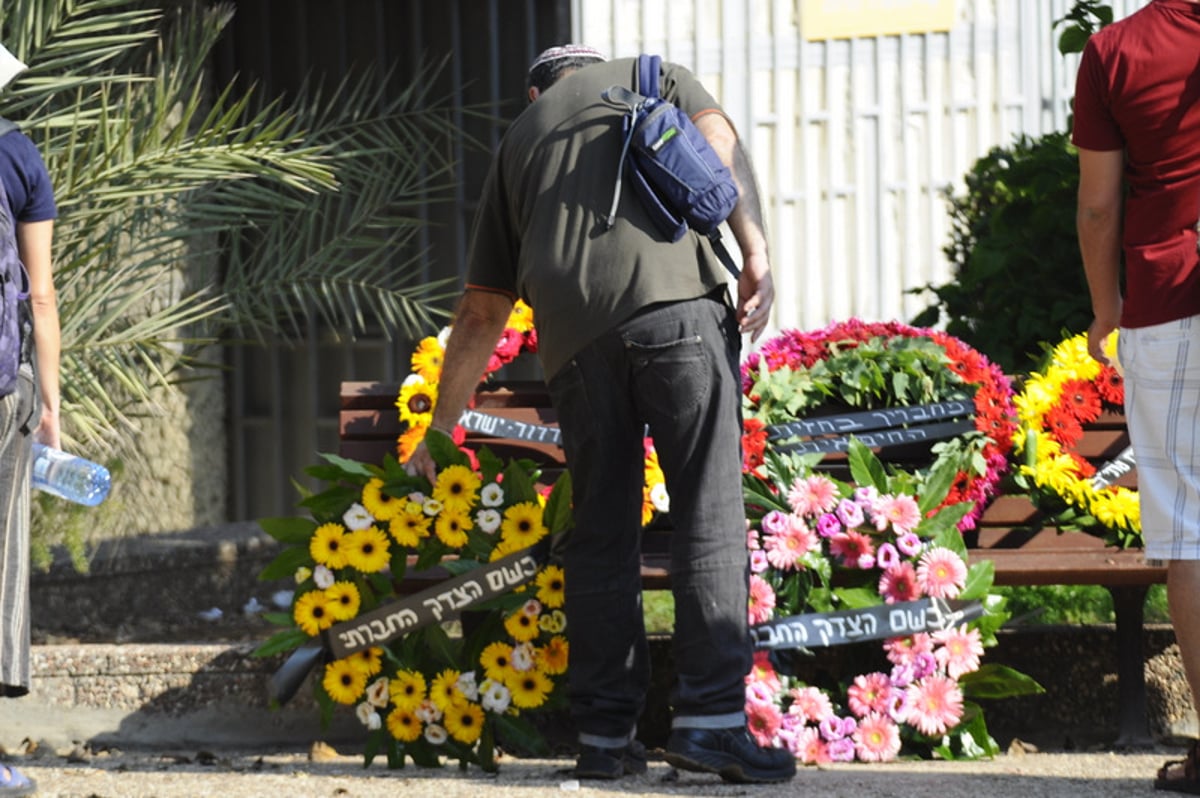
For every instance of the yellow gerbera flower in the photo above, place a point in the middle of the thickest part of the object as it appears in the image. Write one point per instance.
(464, 722)
(327, 545)
(313, 612)
(444, 692)
(529, 689)
(451, 527)
(416, 402)
(427, 359)
(522, 626)
(553, 656)
(378, 503)
(368, 550)
(521, 317)
(496, 660)
(457, 487)
(409, 529)
(368, 660)
(345, 681)
(522, 525)
(403, 725)
(407, 690)
(344, 600)
(551, 586)
(502, 549)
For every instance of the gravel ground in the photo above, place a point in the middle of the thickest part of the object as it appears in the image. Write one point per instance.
(163, 774)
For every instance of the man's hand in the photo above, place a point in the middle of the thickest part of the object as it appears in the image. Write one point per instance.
(421, 463)
(756, 294)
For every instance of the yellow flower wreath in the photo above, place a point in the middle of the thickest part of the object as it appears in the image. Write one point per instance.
(1053, 407)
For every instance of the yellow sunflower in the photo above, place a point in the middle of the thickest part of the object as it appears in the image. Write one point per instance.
(409, 529)
(407, 690)
(378, 503)
(553, 656)
(529, 689)
(427, 359)
(464, 722)
(496, 660)
(368, 550)
(522, 626)
(444, 692)
(345, 681)
(416, 401)
(551, 586)
(327, 546)
(344, 600)
(313, 612)
(522, 525)
(451, 527)
(404, 725)
(457, 487)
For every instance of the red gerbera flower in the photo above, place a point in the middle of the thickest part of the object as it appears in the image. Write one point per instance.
(1063, 425)
(754, 441)
(1081, 399)
(1111, 386)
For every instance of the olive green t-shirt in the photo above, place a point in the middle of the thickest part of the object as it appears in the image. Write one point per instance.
(540, 230)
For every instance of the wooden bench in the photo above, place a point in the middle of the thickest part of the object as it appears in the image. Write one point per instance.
(1011, 532)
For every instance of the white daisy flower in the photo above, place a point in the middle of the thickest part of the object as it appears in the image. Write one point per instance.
(358, 517)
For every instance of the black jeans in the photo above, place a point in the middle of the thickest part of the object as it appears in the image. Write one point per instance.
(673, 369)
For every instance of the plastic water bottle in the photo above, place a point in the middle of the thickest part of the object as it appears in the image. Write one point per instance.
(69, 476)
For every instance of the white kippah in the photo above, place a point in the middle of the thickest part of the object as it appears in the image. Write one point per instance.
(566, 51)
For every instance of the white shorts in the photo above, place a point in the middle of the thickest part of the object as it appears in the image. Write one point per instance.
(1162, 406)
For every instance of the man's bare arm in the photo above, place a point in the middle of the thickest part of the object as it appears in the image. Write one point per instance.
(478, 324)
(1098, 224)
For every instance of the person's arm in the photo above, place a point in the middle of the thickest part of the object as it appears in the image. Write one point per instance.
(478, 323)
(34, 241)
(1098, 224)
(756, 288)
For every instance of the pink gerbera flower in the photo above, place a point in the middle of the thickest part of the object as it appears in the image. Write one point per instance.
(853, 548)
(762, 600)
(813, 495)
(935, 705)
(877, 738)
(871, 693)
(904, 650)
(786, 550)
(900, 511)
(763, 672)
(899, 583)
(810, 703)
(960, 650)
(811, 749)
(941, 573)
(763, 721)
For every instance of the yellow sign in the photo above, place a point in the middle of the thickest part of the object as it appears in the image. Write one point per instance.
(848, 19)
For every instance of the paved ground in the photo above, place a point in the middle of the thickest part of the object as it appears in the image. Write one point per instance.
(146, 774)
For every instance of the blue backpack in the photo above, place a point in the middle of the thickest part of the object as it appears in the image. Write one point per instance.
(16, 323)
(676, 173)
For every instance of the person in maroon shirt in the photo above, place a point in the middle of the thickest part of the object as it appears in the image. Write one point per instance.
(1137, 128)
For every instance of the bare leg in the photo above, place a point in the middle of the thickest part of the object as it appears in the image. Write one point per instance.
(1183, 597)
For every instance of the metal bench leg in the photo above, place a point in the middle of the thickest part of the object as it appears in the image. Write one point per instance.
(1129, 606)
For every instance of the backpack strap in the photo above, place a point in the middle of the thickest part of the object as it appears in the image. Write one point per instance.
(649, 67)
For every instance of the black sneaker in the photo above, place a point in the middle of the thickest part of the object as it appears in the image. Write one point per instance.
(731, 753)
(611, 763)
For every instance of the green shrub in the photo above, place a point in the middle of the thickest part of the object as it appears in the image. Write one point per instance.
(1018, 279)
